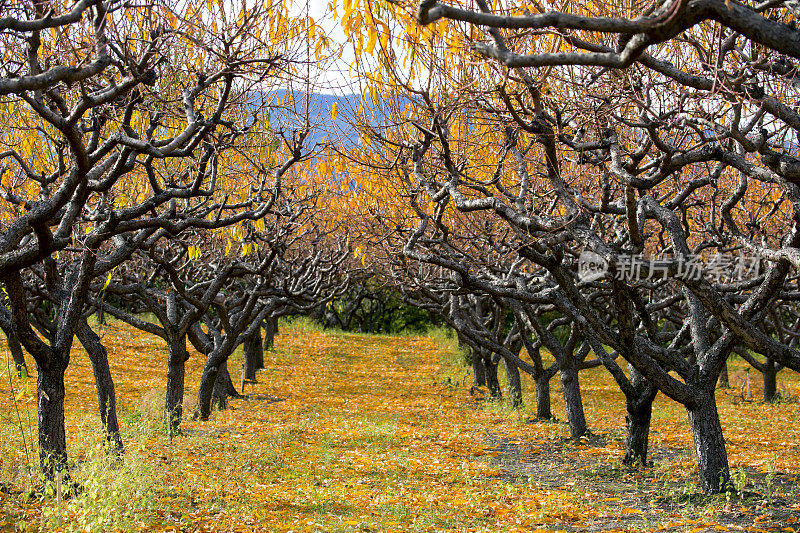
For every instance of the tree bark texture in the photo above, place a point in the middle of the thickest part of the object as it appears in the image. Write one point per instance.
(15, 348)
(270, 330)
(223, 387)
(478, 371)
(543, 408)
(104, 383)
(253, 355)
(709, 444)
(637, 423)
(572, 399)
(770, 380)
(492, 382)
(206, 391)
(639, 405)
(724, 381)
(514, 383)
(52, 438)
(176, 373)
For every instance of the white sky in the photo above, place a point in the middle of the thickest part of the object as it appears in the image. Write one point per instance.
(336, 80)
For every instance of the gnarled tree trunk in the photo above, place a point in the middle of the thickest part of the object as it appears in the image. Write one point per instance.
(478, 372)
(770, 380)
(52, 437)
(709, 443)
(492, 382)
(724, 381)
(15, 348)
(176, 372)
(543, 407)
(216, 364)
(253, 355)
(104, 383)
(270, 331)
(206, 391)
(572, 398)
(224, 387)
(637, 423)
(514, 383)
(639, 406)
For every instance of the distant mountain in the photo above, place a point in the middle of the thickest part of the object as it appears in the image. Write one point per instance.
(290, 114)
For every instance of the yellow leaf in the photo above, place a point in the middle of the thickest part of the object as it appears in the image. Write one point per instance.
(334, 110)
(373, 38)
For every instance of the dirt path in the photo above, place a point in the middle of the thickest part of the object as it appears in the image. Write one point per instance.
(641, 499)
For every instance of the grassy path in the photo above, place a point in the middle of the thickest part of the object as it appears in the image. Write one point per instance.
(363, 433)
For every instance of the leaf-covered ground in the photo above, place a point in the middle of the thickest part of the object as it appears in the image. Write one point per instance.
(363, 433)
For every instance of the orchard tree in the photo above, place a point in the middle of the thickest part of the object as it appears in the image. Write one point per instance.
(670, 135)
(179, 276)
(117, 121)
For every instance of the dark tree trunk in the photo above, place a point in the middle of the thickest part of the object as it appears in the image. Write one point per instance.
(224, 387)
(259, 363)
(543, 409)
(52, 438)
(491, 379)
(478, 368)
(478, 371)
(176, 373)
(205, 393)
(637, 421)
(709, 444)
(724, 378)
(106, 395)
(639, 405)
(572, 399)
(253, 354)
(514, 383)
(219, 394)
(770, 380)
(638, 432)
(270, 330)
(16, 351)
